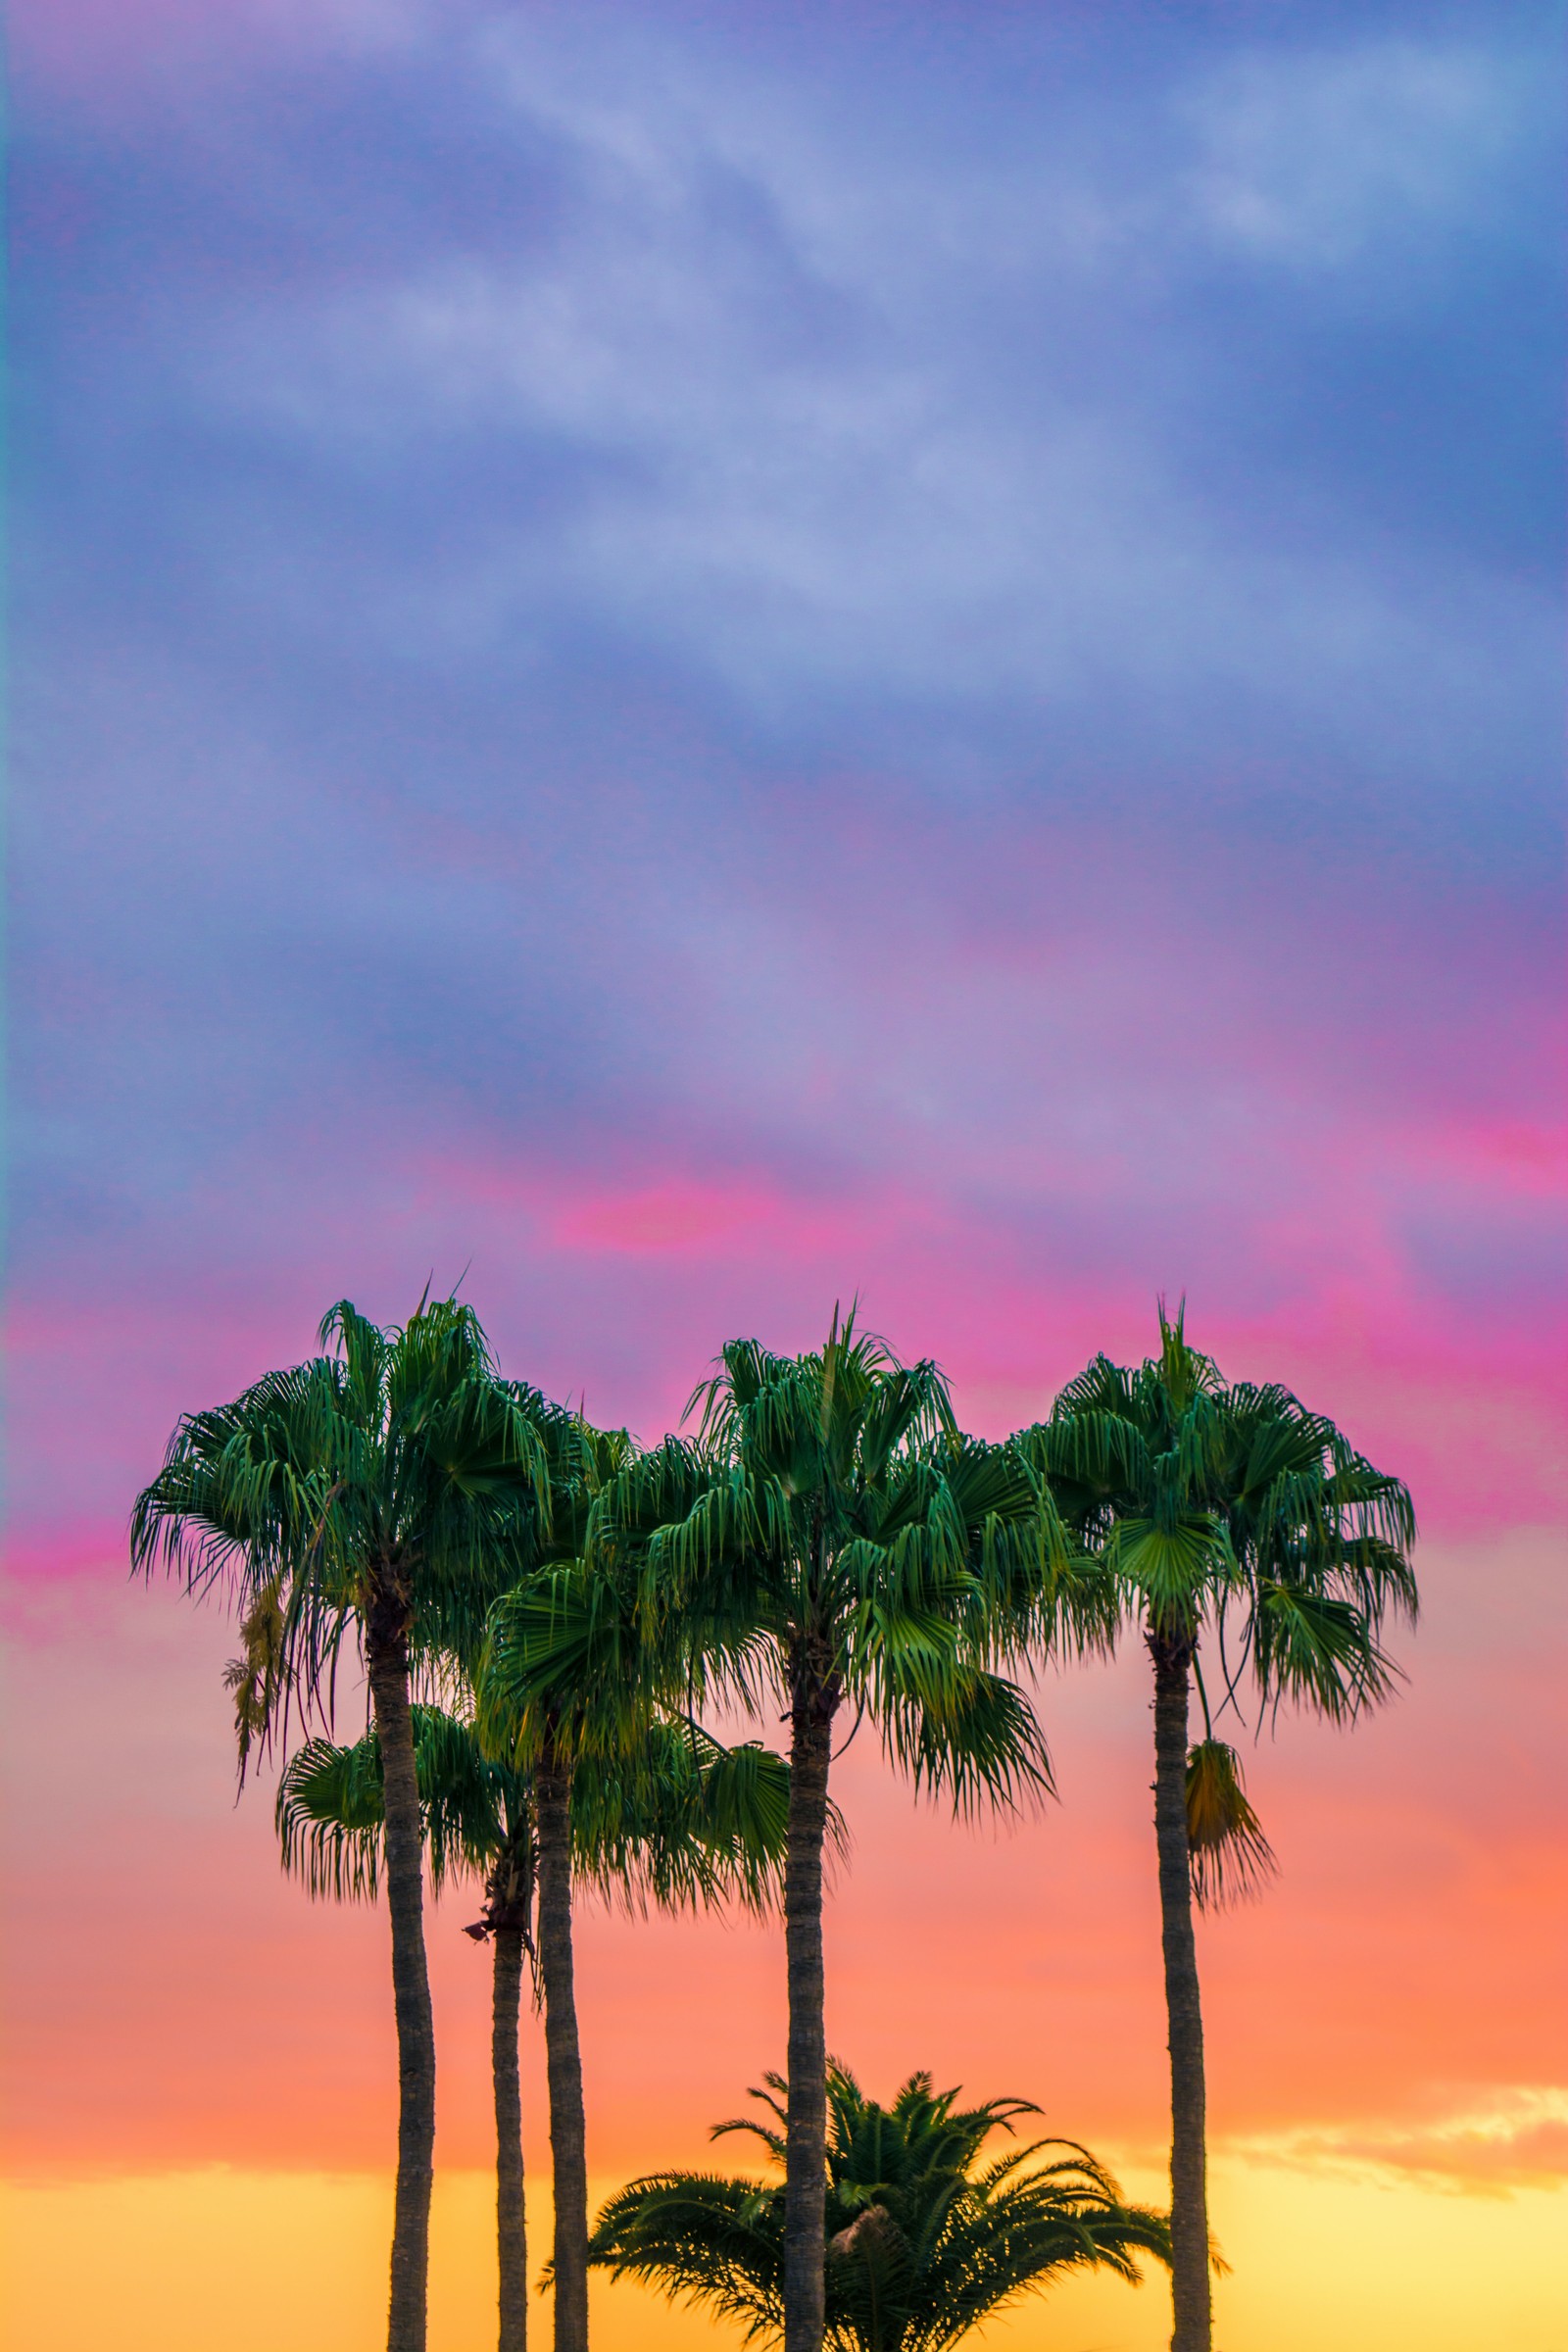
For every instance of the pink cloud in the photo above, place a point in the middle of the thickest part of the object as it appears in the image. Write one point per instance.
(667, 1217)
(626, 1278)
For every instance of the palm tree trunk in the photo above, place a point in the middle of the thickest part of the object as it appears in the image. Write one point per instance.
(563, 2054)
(813, 1701)
(1188, 2189)
(387, 1660)
(512, 2243)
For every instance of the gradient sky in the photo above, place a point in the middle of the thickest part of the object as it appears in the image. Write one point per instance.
(685, 660)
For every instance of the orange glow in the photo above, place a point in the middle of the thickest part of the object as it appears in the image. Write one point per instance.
(245, 2262)
(201, 2111)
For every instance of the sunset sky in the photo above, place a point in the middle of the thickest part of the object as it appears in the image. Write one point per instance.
(684, 660)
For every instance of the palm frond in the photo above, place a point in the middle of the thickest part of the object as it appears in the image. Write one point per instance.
(678, 1820)
(1231, 1859)
(329, 1819)
(330, 1808)
(397, 1462)
(1318, 1651)
(1233, 1504)
(970, 1734)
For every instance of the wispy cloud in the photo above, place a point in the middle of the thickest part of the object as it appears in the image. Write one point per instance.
(1514, 2137)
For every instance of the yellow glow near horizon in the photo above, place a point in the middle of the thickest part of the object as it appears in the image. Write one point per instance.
(247, 2262)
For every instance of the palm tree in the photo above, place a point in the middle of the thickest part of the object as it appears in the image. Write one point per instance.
(641, 1806)
(1230, 1514)
(686, 1821)
(832, 1538)
(923, 2243)
(388, 1490)
(544, 1735)
(478, 1819)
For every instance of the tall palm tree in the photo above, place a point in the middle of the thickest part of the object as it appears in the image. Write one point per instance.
(1230, 1514)
(833, 1539)
(387, 1492)
(924, 2242)
(478, 1819)
(642, 1806)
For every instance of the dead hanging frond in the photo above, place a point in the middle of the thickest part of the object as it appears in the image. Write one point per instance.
(1232, 1861)
(256, 1677)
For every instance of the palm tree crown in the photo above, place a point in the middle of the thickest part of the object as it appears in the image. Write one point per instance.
(833, 1534)
(1236, 1506)
(923, 2242)
(394, 1487)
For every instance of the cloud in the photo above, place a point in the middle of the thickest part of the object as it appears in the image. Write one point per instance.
(723, 668)
(807, 442)
(1516, 2138)
(1312, 158)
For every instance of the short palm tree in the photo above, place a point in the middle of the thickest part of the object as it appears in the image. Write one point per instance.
(547, 1735)
(924, 2242)
(383, 1493)
(833, 1539)
(685, 1821)
(641, 1805)
(1228, 1514)
(477, 1816)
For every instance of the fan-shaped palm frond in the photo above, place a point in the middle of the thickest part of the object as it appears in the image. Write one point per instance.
(681, 1822)
(330, 1808)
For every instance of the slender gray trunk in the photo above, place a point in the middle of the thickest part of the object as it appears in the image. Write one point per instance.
(563, 2055)
(1189, 2187)
(814, 1698)
(512, 2242)
(387, 1660)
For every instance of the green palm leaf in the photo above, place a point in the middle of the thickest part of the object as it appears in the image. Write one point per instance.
(923, 2243)
(1229, 1515)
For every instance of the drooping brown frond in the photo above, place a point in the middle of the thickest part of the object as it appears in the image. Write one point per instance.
(256, 1677)
(1232, 1861)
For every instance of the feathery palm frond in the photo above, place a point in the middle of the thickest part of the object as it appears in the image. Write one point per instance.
(924, 2241)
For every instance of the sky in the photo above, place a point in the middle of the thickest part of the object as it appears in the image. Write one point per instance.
(679, 662)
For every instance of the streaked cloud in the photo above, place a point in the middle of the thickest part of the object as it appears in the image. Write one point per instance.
(1518, 2139)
